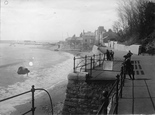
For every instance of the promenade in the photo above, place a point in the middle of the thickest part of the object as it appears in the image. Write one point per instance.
(139, 94)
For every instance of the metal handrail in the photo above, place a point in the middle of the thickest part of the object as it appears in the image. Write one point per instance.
(86, 59)
(32, 90)
(102, 106)
(49, 97)
(118, 85)
(14, 96)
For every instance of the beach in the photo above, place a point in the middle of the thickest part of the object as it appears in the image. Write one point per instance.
(45, 73)
(42, 103)
(54, 80)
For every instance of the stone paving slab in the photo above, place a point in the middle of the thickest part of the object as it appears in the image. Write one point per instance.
(140, 92)
(127, 93)
(104, 75)
(128, 83)
(143, 106)
(139, 83)
(152, 91)
(153, 101)
(125, 109)
(151, 83)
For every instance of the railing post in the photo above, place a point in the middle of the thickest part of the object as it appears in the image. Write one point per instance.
(117, 94)
(91, 59)
(124, 73)
(33, 108)
(121, 86)
(74, 65)
(85, 63)
(103, 58)
(99, 59)
(94, 62)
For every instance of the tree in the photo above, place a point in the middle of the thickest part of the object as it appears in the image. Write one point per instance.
(136, 19)
(116, 26)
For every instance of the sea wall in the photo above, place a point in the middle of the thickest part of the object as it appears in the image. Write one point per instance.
(82, 96)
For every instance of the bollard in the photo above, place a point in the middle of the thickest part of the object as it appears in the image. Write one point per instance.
(74, 65)
(33, 108)
(117, 93)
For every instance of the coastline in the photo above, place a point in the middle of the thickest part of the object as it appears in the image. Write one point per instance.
(42, 102)
(58, 93)
(57, 90)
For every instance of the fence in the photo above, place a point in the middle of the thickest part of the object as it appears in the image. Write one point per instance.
(33, 107)
(88, 63)
(114, 94)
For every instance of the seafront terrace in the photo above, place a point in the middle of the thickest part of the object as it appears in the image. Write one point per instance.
(138, 96)
(91, 76)
(84, 96)
(135, 97)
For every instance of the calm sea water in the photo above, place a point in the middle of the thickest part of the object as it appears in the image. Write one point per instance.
(49, 68)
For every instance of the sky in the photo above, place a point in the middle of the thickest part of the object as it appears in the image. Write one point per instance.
(54, 20)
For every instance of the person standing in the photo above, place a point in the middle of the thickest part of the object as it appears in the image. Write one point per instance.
(112, 55)
(129, 68)
(108, 55)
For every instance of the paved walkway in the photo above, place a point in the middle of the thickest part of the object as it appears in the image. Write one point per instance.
(139, 94)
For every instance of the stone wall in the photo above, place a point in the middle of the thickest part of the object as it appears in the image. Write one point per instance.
(84, 97)
(121, 47)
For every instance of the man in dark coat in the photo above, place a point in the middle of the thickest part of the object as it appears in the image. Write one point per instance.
(108, 55)
(129, 68)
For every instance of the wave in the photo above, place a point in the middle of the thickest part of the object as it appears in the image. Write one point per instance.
(45, 78)
(11, 64)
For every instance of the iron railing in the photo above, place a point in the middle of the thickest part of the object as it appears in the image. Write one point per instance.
(114, 94)
(33, 105)
(87, 63)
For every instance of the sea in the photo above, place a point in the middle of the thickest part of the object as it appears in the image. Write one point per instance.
(47, 68)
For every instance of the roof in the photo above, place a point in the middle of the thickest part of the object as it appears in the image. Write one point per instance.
(110, 36)
(69, 38)
(89, 34)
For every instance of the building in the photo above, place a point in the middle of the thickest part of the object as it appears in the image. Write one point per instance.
(88, 37)
(88, 40)
(99, 35)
